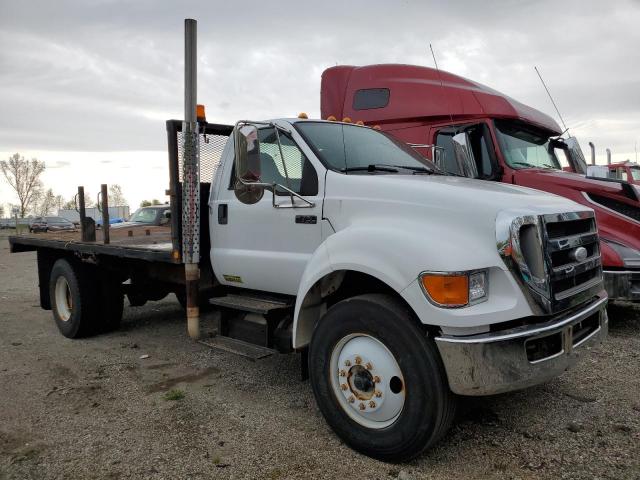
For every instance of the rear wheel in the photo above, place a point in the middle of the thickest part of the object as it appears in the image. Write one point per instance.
(72, 300)
(378, 379)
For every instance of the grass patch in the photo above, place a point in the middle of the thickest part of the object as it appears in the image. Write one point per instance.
(174, 395)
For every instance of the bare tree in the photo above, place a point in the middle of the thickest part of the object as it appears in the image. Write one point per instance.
(45, 203)
(1, 210)
(24, 177)
(116, 197)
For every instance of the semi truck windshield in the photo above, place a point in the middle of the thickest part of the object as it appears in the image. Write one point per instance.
(351, 148)
(523, 147)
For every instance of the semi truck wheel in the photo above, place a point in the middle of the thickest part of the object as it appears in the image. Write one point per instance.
(378, 380)
(72, 299)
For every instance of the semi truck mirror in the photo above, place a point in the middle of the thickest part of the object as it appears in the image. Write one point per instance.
(464, 155)
(579, 164)
(247, 154)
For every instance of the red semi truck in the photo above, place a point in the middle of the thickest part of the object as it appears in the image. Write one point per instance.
(510, 142)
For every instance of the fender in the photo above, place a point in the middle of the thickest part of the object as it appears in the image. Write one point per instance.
(359, 249)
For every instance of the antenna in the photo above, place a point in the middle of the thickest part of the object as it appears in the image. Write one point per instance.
(440, 78)
(551, 98)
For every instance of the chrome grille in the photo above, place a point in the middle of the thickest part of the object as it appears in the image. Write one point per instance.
(572, 276)
(554, 257)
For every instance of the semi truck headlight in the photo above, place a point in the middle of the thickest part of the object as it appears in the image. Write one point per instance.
(455, 289)
(630, 256)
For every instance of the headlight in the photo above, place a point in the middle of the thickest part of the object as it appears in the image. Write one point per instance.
(455, 289)
(630, 257)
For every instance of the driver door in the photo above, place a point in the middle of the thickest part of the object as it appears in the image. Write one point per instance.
(259, 246)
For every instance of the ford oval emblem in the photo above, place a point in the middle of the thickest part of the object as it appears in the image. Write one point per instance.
(580, 254)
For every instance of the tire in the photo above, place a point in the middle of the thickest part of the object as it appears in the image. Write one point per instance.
(399, 365)
(73, 301)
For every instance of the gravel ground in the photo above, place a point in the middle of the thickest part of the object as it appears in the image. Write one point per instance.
(94, 409)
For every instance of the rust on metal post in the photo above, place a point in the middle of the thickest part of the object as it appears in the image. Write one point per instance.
(105, 213)
(192, 280)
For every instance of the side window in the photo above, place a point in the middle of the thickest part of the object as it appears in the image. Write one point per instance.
(302, 177)
(370, 98)
(561, 156)
(481, 143)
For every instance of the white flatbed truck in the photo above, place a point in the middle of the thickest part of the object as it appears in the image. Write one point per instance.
(400, 287)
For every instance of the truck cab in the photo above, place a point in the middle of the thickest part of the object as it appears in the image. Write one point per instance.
(508, 142)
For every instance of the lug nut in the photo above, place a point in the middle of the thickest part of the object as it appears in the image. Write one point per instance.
(344, 386)
(378, 394)
(351, 399)
(369, 366)
(347, 363)
(372, 404)
(376, 379)
(358, 360)
(362, 406)
(343, 373)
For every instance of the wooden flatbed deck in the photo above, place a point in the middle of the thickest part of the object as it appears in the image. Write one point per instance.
(152, 243)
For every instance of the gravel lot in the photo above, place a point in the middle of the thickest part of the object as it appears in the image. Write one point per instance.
(94, 409)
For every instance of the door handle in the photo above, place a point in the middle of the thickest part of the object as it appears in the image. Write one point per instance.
(223, 213)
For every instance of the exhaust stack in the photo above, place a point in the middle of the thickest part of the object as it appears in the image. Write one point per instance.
(191, 181)
(608, 157)
(593, 153)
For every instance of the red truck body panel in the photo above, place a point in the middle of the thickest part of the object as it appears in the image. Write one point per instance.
(421, 100)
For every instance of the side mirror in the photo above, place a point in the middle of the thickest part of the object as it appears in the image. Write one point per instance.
(248, 188)
(167, 214)
(579, 164)
(247, 154)
(464, 155)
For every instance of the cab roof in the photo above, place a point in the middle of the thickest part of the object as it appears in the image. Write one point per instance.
(417, 95)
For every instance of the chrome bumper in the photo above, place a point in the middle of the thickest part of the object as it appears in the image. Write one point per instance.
(622, 285)
(521, 357)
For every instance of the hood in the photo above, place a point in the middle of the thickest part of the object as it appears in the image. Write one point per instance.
(431, 219)
(542, 178)
(443, 193)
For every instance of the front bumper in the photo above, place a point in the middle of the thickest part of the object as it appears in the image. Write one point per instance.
(622, 285)
(521, 357)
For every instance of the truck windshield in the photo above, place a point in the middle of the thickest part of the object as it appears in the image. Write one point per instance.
(351, 148)
(524, 147)
(635, 172)
(144, 215)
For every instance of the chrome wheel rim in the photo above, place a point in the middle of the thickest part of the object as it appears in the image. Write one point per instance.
(367, 381)
(64, 302)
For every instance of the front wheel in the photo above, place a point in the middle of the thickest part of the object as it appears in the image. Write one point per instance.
(378, 379)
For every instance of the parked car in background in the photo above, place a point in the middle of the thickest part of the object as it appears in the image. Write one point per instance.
(51, 224)
(155, 215)
(112, 221)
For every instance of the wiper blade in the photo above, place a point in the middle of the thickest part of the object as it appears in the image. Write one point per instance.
(371, 168)
(525, 164)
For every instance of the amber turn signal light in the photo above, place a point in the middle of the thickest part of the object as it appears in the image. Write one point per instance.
(447, 290)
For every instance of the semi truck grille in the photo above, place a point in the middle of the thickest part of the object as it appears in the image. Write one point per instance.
(572, 251)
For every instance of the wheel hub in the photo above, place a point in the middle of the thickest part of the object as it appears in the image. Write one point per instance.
(365, 372)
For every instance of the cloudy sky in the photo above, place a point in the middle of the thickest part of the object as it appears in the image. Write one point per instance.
(86, 85)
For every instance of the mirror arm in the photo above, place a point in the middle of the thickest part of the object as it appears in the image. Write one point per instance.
(292, 194)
